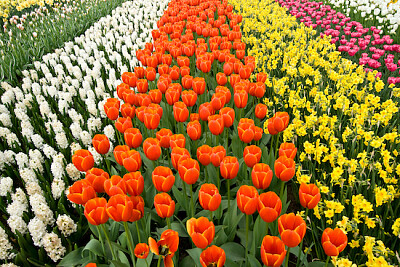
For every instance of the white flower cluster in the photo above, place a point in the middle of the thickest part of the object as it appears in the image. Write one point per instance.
(59, 108)
(386, 13)
(5, 246)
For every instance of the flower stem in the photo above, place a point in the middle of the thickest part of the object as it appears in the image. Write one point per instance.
(266, 229)
(109, 242)
(228, 188)
(301, 243)
(327, 261)
(205, 173)
(168, 223)
(287, 257)
(282, 189)
(147, 264)
(138, 232)
(276, 145)
(191, 200)
(247, 236)
(129, 237)
(185, 193)
(159, 261)
(211, 215)
(101, 240)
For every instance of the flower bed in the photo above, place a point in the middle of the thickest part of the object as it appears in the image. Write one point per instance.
(52, 114)
(346, 133)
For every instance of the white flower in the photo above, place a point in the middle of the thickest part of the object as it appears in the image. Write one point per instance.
(53, 246)
(6, 184)
(33, 188)
(37, 229)
(16, 223)
(66, 225)
(109, 132)
(73, 172)
(5, 246)
(41, 209)
(57, 187)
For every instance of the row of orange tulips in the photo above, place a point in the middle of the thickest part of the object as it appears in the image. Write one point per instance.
(188, 42)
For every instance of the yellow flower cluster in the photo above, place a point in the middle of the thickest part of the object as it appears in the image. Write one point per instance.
(7, 6)
(342, 120)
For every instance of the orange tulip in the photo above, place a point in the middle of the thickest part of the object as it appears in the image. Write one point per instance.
(118, 151)
(177, 154)
(164, 205)
(181, 112)
(240, 97)
(142, 86)
(167, 59)
(150, 73)
(194, 117)
(166, 246)
(213, 256)
(139, 72)
(189, 98)
(288, 149)
(204, 154)
(185, 71)
(228, 115)
(187, 82)
(278, 123)
(172, 95)
(101, 143)
(122, 89)
(163, 136)
(141, 250)
(258, 132)
(246, 130)
(83, 160)
(151, 148)
(194, 130)
(234, 79)
(251, 155)
(269, 206)
(127, 110)
(115, 185)
(163, 69)
(95, 211)
(228, 68)
(111, 108)
(221, 78)
(163, 178)
(119, 208)
(162, 84)
(151, 118)
(80, 192)
(257, 90)
(96, 178)
(134, 183)
(131, 160)
(129, 78)
(334, 241)
(273, 251)
(201, 230)
(247, 199)
(209, 197)
(122, 124)
(245, 72)
(129, 96)
(292, 229)
(261, 77)
(155, 95)
(199, 85)
(217, 155)
(309, 195)
(261, 111)
(216, 124)
(174, 73)
(177, 140)
(225, 91)
(261, 176)
(229, 167)
(189, 170)
(138, 208)
(284, 168)
(206, 110)
(140, 113)
(133, 137)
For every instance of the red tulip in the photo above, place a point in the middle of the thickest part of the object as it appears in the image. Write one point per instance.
(240, 97)
(201, 230)
(251, 155)
(129, 78)
(284, 168)
(119, 208)
(206, 110)
(95, 211)
(288, 149)
(261, 176)
(133, 137)
(189, 170)
(247, 199)
(115, 185)
(246, 130)
(111, 108)
(292, 229)
(229, 167)
(164, 205)
(261, 111)
(166, 246)
(151, 118)
(213, 256)
(83, 160)
(163, 136)
(127, 110)
(155, 95)
(221, 78)
(278, 122)
(122, 124)
(134, 183)
(172, 95)
(118, 151)
(217, 155)
(228, 115)
(216, 124)
(177, 154)
(163, 179)
(309, 195)
(151, 148)
(218, 100)
(199, 85)
(96, 178)
(80, 192)
(334, 241)
(273, 251)
(194, 130)
(204, 154)
(209, 197)
(181, 112)
(269, 206)
(131, 160)
(141, 250)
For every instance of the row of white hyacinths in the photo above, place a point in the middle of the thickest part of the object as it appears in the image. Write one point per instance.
(384, 13)
(61, 101)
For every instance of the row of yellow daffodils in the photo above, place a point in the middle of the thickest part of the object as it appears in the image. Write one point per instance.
(347, 134)
(7, 6)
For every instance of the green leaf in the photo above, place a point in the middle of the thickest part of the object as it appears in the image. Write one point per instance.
(72, 259)
(123, 258)
(233, 251)
(114, 230)
(95, 247)
(194, 253)
(318, 264)
(118, 264)
(187, 261)
(253, 262)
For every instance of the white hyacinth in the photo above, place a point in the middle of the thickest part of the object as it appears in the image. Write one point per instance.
(66, 225)
(6, 184)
